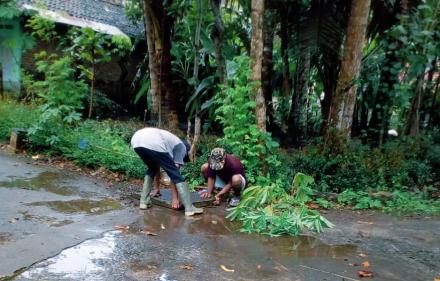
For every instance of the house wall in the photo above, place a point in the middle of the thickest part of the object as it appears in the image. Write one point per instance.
(11, 43)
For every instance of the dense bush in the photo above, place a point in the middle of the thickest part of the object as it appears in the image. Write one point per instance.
(405, 164)
(15, 115)
(94, 144)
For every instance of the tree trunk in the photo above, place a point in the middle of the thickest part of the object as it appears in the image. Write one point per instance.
(1, 81)
(197, 42)
(197, 121)
(378, 126)
(158, 26)
(433, 113)
(92, 91)
(284, 36)
(344, 98)
(197, 130)
(217, 35)
(413, 118)
(380, 115)
(152, 32)
(267, 65)
(257, 58)
(298, 122)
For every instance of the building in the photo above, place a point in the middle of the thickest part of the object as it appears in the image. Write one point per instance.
(104, 16)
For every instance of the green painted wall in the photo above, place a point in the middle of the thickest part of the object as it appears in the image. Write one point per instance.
(11, 44)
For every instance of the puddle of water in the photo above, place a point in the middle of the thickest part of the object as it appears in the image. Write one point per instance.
(307, 247)
(5, 237)
(47, 181)
(82, 262)
(81, 206)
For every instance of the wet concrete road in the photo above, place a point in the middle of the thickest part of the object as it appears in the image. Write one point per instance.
(44, 210)
(161, 244)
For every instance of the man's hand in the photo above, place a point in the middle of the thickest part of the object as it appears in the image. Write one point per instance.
(205, 194)
(217, 200)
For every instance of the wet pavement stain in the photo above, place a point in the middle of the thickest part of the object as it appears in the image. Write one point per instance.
(47, 181)
(86, 206)
(5, 237)
(51, 221)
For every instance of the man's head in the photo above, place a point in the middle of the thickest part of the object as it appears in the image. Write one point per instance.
(217, 158)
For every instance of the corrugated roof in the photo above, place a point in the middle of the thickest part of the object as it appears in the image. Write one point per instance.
(100, 11)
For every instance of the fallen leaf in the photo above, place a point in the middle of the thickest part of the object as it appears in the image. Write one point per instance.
(437, 279)
(366, 264)
(362, 255)
(146, 232)
(365, 273)
(365, 222)
(227, 269)
(122, 228)
(186, 266)
(313, 206)
(281, 268)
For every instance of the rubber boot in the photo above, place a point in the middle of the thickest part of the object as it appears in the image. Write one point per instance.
(185, 197)
(145, 194)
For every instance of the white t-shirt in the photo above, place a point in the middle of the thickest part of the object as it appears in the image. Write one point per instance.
(161, 141)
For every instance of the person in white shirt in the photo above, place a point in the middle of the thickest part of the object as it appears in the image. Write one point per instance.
(160, 148)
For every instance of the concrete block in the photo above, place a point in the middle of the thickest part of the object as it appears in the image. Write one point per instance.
(17, 140)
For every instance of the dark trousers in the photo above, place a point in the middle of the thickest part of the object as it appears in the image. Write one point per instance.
(153, 159)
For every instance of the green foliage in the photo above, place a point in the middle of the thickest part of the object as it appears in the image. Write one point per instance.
(324, 203)
(107, 147)
(400, 202)
(9, 9)
(359, 200)
(42, 28)
(191, 171)
(414, 202)
(89, 48)
(272, 211)
(61, 97)
(15, 115)
(235, 107)
(400, 164)
(133, 11)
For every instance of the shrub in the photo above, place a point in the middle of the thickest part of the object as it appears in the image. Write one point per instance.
(15, 115)
(95, 145)
(61, 99)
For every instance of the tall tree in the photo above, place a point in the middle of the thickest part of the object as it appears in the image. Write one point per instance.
(158, 27)
(298, 120)
(383, 19)
(257, 16)
(217, 35)
(344, 97)
(284, 51)
(267, 64)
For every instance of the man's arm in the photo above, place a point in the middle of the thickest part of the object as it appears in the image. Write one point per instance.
(224, 190)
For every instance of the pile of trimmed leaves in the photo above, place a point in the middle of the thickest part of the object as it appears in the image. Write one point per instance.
(273, 211)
